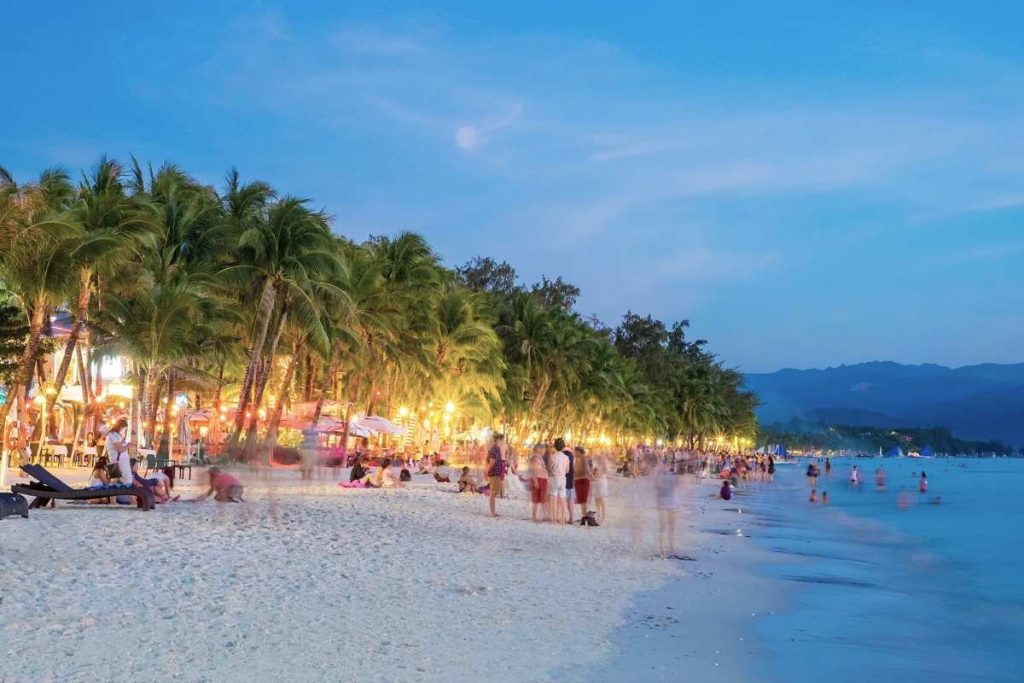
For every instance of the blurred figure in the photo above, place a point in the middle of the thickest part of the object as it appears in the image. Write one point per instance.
(880, 478)
(666, 486)
(854, 476)
(601, 467)
(824, 497)
(725, 493)
(558, 468)
(922, 485)
(224, 488)
(538, 485)
(771, 468)
(814, 496)
(582, 473)
(828, 467)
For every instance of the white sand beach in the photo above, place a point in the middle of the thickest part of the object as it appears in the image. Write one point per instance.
(315, 583)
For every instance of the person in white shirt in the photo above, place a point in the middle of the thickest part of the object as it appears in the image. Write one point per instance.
(558, 468)
(116, 451)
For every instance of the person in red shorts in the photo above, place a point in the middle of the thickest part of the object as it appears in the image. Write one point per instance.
(582, 473)
(538, 483)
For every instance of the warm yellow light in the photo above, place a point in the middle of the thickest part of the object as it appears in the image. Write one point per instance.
(450, 407)
(403, 411)
(203, 431)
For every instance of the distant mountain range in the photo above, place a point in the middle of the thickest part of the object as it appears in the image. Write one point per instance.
(974, 402)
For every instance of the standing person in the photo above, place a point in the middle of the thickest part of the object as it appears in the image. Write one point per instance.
(538, 483)
(600, 485)
(116, 451)
(771, 468)
(570, 480)
(828, 467)
(812, 474)
(582, 474)
(558, 468)
(923, 483)
(307, 453)
(495, 471)
(665, 487)
(854, 476)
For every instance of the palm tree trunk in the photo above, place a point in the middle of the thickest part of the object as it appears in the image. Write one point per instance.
(27, 364)
(81, 311)
(263, 313)
(165, 435)
(275, 419)
(328, 379)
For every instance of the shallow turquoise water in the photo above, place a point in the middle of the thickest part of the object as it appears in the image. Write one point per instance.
(930, 593)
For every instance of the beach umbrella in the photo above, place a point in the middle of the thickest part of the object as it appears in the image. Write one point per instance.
(380, 425)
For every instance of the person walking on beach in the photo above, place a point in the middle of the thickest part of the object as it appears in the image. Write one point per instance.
(496, 471)
(600, 485)
(666, 486)
(558, 468)
(538, 484)
(582, 474)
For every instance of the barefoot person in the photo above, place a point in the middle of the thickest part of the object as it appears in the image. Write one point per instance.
(665, 488)
(496, 471)
(582, 473)
(224, 488)
(558, 468)
(538, 484)
(600, 485)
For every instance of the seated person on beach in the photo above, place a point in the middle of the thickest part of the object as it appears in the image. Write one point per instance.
(157, 481)
(466, 484)
(99, 479)
(224, 488)
(725, 493)
(385, 478)
(359, 469)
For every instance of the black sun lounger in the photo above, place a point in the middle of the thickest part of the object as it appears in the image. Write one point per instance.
(47, 488)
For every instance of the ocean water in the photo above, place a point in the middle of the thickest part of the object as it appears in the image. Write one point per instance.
(877, 593)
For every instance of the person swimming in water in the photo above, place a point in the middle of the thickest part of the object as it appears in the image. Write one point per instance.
(854, 476)
(814, 496)
(880, 478)
(824, 497)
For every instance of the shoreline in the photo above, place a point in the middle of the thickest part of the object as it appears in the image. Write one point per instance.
(704, 623)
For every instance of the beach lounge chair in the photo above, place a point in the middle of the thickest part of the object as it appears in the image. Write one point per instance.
(47, 488)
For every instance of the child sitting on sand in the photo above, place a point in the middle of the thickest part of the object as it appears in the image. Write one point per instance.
(466, 484)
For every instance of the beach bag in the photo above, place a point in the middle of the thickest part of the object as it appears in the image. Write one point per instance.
(113, 471)
(589, 520)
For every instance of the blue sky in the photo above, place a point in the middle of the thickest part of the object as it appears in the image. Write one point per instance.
(809, 183)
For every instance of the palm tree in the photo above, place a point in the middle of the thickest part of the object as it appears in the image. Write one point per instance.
(37, 240)
(289, 258)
